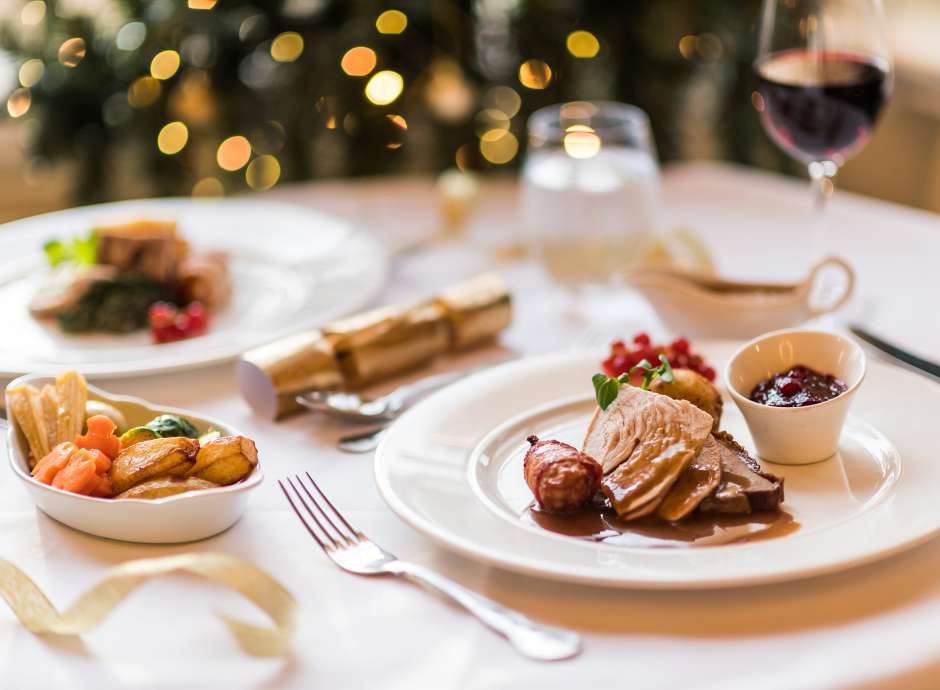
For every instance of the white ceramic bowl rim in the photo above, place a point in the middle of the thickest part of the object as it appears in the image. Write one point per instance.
(250, 482)
(740, 398)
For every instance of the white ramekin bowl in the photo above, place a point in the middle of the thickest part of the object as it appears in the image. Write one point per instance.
(795, 435)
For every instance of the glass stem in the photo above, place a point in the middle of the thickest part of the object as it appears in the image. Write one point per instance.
(822, 175)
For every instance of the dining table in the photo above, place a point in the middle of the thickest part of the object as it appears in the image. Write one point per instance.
(871, 627)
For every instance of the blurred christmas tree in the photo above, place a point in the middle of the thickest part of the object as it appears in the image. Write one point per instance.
(215, 96)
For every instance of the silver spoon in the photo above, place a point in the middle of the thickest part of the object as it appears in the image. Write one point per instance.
(362, 443)
(353, 408)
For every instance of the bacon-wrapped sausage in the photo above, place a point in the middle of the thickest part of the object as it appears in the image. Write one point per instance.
(560, 476)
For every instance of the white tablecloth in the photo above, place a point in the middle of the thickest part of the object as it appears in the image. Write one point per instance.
(872, 627)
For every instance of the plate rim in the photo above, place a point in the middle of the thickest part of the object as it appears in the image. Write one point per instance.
(541, 568)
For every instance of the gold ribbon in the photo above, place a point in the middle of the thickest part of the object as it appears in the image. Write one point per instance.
(34, 610)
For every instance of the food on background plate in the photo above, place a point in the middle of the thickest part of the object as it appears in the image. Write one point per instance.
(123, 278)
(797, 387)
(561, 477)
(78, 448)
(662, 459)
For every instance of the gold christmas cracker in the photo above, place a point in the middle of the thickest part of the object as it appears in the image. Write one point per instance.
(386, 341)
(271, 376)
(477, 309)
(361, 350)
(34, 610)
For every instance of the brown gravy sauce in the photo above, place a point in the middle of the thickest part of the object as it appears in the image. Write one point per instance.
(598, 522)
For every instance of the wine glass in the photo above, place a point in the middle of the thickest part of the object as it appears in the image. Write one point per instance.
(590, 191)
(823, 72)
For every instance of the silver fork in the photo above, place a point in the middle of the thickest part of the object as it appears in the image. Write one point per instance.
(351, 550)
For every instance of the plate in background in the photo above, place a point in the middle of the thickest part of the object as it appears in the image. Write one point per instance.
(292, 268)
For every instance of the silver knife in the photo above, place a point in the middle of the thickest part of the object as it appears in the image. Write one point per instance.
(896, 353)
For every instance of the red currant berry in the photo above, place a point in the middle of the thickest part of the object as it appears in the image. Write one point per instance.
(680, 345)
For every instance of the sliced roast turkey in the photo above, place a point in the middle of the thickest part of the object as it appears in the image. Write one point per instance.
(644, 441)
(694, 485)
(744, 486)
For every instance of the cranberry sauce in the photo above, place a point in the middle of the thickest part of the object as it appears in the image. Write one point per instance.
(798, 387)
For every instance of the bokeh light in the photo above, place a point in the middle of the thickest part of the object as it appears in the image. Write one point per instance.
(287, 47)
(535, 74)
(131, 36)
(687, 46)
(503, 98)
(498, 146)
(491, 119)
(391, 22)
(399, 127)
(164, 64)
(209, 186)
(384, 87)
(18, 103)
(33, 13)
(202, 4)
(581, 142)
(143, 91)
(31, 72)
(172, 138)
(263, 172)
(358, 61)
(447, 91)
(72, 51)
(582, 44)
(233, 153)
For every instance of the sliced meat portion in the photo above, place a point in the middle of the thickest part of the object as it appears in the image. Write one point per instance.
(150, 247)
(204, 278)
(744, 486)
(644, 441)
(561, 477)
(65, 286)
(694, 485)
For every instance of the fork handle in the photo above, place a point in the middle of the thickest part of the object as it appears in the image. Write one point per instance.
(531, 639)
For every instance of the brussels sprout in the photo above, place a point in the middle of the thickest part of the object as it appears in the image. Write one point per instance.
(167, 425)
(136, 435)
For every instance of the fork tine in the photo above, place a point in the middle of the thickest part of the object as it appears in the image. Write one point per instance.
(330, 504)
(349, 541)
(300, 515)
(324, 530)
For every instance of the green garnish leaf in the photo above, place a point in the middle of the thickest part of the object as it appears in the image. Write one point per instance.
(663, 371)
(55, 252)
(605, 389)
(79, 250)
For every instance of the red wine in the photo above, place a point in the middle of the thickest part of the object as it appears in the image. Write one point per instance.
(819, 105)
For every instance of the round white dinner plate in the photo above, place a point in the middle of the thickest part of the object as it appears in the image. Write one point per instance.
(452, 468)
(291, 268)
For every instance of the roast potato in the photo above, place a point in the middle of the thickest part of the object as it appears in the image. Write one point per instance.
(225, 460)
(166, 486)
(693, 387)
(160, 457)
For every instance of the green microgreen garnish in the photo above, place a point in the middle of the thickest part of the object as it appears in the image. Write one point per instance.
(79, 250)
(663, 371)
(606, 387)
